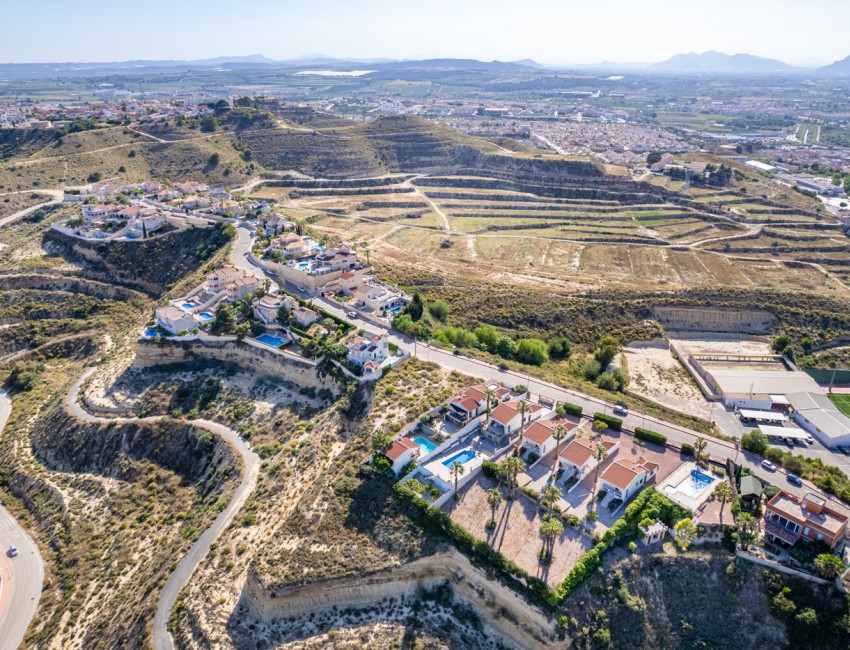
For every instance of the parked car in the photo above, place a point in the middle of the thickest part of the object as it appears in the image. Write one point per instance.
(793, 479)
(810, 440)
(844, 450)
(621, 410)
(770, 467)
(789, 442)
(351, 314)
(13, 550)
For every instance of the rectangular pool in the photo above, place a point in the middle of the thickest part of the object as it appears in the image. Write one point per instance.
(694, 484)
(205, 315)
(425, 445)
(151, 332)
(463, 457)
(268, 339)
(187, 305)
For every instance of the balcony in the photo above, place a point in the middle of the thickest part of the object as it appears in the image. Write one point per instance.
(781, 532)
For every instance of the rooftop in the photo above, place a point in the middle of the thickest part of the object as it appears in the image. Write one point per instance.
(797, 510)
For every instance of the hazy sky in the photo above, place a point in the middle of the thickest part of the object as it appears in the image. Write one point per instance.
(550, 31)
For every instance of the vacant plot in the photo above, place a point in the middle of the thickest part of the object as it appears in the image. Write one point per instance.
(517, 531)
(657, 376)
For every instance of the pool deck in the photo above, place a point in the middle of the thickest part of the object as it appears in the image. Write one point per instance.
(668, 487)
(436, 468)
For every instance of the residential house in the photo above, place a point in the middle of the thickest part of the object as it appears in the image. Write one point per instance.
(290, 244)
(239, 288)
(789, 518)
(151, 187)
(267, 307)
(92, 211)
(401, 452)
(336, 259)
(473, 402)
(192, 187)
(304, 317)
(539, 438)
(506, 421)
(195, 202)
(370, 346)
(135, 212)
(175, 320)
(219, 279)
(380, 299)
(276, 223)
(577, 457)
(167, 195)
(371, 370)
(229, 209)
(626, 476)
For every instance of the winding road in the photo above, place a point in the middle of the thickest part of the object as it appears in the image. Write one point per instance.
(182, 573)
(21, 577)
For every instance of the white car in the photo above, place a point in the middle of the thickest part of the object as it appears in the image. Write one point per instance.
(13, 550)
(810, 440)
(770, 467)
(621, 410)
(351, 314)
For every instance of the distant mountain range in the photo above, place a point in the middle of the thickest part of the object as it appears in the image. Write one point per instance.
(710, 62)
(719, 62)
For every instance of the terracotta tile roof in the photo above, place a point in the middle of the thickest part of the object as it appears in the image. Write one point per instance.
(579, 451)
(622, 472)
(465, 402)
(504, 413)
(398, 447)
(540, 431)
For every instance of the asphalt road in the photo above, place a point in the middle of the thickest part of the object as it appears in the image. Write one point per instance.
(21, 577)
(717, 449)
(182, 573)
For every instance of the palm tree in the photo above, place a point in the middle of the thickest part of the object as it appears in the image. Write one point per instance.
(600, 454)
(723, 492)
(523, 408)
(699, 448)
(551, 529)
(510, 468)
(558, 434)
(489, 397)
(551, 494)
(494, 500)
(456, 469)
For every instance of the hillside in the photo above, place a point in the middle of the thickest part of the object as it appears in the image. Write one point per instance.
(152, 266)
(840, 67)
(713, 61)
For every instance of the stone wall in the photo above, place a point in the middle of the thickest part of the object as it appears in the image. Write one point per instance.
(271, 363)
(500, 608)
(699, 319)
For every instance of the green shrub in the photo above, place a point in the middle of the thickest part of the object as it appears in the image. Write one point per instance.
(490, 469)
(651, 436)
(572, 409)
(613, 423)
(687, 450)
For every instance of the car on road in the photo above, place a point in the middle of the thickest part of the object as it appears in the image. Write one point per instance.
(351, 314)
(844, 450)
(13, 550)
(793, 479)
(621, 410)
(301, 289)
(770, 467)
(809, 439)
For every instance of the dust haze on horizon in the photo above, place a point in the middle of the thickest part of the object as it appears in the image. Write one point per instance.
(548, 31)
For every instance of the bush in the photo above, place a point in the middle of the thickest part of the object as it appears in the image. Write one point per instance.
(687, 450)
(613, 423)
(774, 455)
(531, 351)
(490, 469)
(591, 370)
(755, 441)
(572, 409)
(560, 349)
(651, 436)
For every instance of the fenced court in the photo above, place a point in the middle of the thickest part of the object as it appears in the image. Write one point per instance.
(842, 402)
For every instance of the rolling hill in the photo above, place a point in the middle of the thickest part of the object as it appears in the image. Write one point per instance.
(718, 62)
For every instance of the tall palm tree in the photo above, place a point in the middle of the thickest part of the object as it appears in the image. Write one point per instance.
(551, 494)
(494, 500)
(510, 468)
(489, 397)
(600, 454)
(723, 492)
(523, 407)
(558, 434)
(699, 448)
(551, 529)
(456, 469)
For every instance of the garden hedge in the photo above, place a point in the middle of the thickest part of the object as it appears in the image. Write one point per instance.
(613, 423)
(651, 436)
(687, 450)
(572, 409)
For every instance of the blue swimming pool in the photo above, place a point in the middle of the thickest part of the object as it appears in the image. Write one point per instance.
(425, 445)
(187, 305)
(694, 484)
(150, 332)
(463, 457)
(268, 339)
(205, 315)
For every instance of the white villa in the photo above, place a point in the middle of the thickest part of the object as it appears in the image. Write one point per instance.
(506, 420)
(267, 307)
(625, 477)
(473, 402)
(577, 457)
(175, 320)
(539, 439)
(401, 452)
(368, 347)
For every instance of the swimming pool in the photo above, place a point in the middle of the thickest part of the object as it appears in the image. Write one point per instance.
(693, 484)
(150, 332)
(425, 445)
(187, 305)
(268, 339)
(205, 315)
(463, 457)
